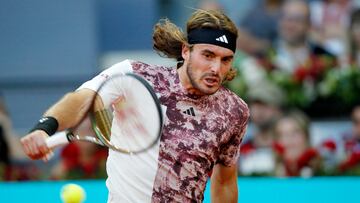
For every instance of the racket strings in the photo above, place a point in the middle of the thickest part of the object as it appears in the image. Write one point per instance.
(129, 118)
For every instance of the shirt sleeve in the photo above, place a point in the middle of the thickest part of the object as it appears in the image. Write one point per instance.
(119, 68)
(230, 151)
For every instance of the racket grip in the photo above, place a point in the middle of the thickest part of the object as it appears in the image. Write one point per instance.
(57, 139)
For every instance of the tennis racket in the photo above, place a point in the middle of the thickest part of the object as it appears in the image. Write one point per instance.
(125, 115)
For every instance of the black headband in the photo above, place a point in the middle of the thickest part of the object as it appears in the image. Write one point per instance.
(217, 37)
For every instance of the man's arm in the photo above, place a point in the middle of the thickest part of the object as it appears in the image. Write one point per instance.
(224, 184)
(68, 112)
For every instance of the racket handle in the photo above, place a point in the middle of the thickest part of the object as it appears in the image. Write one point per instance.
(57, 139)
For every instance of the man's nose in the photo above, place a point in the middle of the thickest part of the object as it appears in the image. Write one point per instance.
(215, 66)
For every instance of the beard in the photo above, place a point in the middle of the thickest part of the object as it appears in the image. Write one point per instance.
(202, 89)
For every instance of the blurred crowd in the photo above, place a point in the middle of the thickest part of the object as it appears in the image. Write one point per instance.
(297, 61)
(306, 49)
(281, 145)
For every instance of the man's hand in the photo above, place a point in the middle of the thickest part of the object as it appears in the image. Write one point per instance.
(35, 147)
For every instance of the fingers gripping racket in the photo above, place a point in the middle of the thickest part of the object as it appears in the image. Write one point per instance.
(126, 116)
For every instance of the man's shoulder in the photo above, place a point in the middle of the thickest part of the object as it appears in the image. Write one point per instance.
(233, 101)
(227, 94)
(146, 69)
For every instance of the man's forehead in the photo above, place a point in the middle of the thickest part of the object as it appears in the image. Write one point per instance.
(214, 48)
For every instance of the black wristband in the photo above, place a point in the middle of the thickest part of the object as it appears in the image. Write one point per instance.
(48, 124)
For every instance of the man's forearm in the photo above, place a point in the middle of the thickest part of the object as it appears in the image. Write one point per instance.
(224, 184)
(226, 192)
(71, 108)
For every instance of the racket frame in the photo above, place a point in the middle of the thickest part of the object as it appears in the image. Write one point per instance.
(100, 138)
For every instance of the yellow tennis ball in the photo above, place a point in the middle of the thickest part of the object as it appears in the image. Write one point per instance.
(72, 193)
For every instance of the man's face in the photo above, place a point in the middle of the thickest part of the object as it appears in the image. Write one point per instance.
(294, 23)
(207, 66)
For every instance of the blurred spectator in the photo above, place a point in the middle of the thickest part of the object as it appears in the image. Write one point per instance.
(294, 52)
(11, 155)
(14, 147)
(210, 5)
(4, 155)
(235, 9)
(330, 20)
(4, 148)
(265, 103)
(295, 157)
(354, 39)
(351, 164)
(294, 63)
(81, 160)
(258, 30)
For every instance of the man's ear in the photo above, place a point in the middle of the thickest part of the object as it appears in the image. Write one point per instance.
(185, 52)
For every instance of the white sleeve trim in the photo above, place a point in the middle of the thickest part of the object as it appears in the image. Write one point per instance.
(118, 68)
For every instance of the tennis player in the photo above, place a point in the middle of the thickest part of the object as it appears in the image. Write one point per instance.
(204, 122)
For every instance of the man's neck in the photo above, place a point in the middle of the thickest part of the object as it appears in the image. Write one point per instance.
(185, 81)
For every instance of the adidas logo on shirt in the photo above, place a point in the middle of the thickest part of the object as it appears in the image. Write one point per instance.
(222, 39)
(190, 111)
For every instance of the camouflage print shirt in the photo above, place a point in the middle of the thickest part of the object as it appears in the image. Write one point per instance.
(198, 133)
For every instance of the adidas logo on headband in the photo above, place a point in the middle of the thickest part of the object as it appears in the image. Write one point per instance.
(222, 39)
(218, 37)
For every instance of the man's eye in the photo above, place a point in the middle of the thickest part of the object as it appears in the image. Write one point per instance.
(227, 60)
